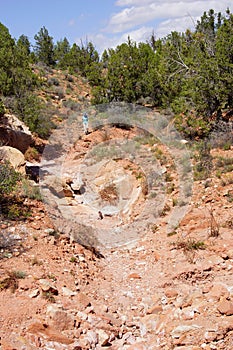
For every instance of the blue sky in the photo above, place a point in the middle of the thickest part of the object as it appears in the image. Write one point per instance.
(106, 23)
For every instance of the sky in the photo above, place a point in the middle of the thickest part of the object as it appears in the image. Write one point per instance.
(106, 23)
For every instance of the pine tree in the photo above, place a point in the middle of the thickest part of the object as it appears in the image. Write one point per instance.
(61, 49)
(44, 47)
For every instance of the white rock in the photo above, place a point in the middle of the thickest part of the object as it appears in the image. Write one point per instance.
(14, 156)
(34, 293)
(92, 337)
(68, 292)
(178, 331)
(103, 337)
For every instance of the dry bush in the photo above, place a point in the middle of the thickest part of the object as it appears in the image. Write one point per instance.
(109, 193)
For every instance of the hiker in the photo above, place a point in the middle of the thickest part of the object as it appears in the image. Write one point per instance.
(100, 215)
(85, 123)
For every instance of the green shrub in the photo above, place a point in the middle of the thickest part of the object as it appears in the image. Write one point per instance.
(69, 78)
(8, 178)
(189, 244)
(53, 81)
(33, 112)
(14, 209)
(59, 92)
(192, 126)
(31, 191)
(203, 159)
(225, 164)
(2, 109)
(73, 105)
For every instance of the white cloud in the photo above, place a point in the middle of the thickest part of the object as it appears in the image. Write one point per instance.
(177, 24)
(138, 14)
(103, 42)
(138, 35)
(139, 18)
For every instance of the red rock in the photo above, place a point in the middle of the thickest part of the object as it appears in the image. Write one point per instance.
(134, 276)
(50, 333)
(35, 225)
(155, 309)
(171, 293)
(62, 320)
(218, 291)
(82, 300)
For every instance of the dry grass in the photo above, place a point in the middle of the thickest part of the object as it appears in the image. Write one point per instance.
(12, 280)
(109, 193)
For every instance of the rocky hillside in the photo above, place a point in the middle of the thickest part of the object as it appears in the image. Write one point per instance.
(156, 289)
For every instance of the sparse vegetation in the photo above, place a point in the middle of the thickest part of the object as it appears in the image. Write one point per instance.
(159, 155)
(2, 109)
(203, 161)
(49, 296)
(15, 209)
(188, 244)
(224, 164)
(229, 196)
(32, 154)
(146, 140)
(73, 259)
(172, 233)
(11, 281)
(154, 228)
(109, 193)
(227, 180)
(31, 190)
(36, 261)
(165, 210)
(8, 179)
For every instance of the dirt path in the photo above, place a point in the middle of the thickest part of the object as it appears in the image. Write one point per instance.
(153, 287)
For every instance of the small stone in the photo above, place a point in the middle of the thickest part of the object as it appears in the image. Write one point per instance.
(225, 307)
(180, 330)
(103, 337)
(155, 309)
(83, 301)
(35, 225)
(49, 231)
(230, 253)
(134, 276)
(164, 300)
(171, 293)
(92, 337)
(47, 286)
(67, 292)
(218, 291)
(82, 315)
(62, 320)
(188, 314)
(128, 338)
(34, 293)
(148, 323)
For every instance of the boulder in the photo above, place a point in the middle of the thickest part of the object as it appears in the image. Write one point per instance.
(15, 133)
(14, 156)
(225, 307)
